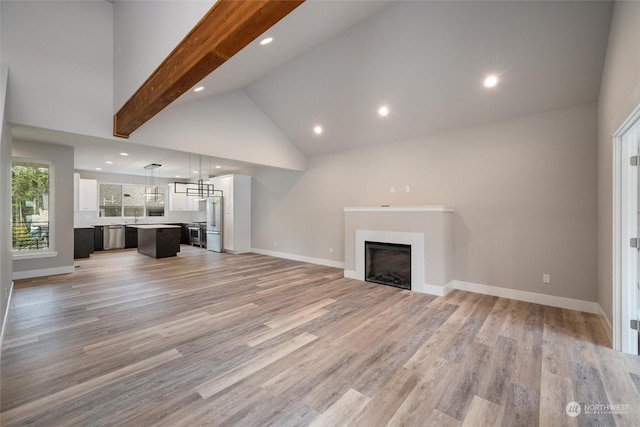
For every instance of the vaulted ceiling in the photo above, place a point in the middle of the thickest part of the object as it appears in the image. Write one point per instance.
(426, 61)
(334, 63)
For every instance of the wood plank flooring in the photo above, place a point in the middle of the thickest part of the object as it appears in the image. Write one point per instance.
(223, 340)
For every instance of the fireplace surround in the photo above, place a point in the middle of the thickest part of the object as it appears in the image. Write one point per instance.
(427, 229)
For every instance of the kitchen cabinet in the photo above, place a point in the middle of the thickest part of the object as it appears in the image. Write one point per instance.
(179, 201)
(131, 237)
(158, 240)
(83, 242)
(85, 193)
(98, 238)
(236, 208)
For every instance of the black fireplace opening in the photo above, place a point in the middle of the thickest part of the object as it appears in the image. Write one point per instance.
(388, 264)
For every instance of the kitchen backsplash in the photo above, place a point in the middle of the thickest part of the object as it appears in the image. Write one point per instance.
(84, 218)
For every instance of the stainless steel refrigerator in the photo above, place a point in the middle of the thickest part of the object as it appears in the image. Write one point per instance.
(214, 223)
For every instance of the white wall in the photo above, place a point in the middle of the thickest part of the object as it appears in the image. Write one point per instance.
(156, 27)
(228, 125)
(523, 190)
(619, 95)
(62, 158)
(6, 269)
(60, 58)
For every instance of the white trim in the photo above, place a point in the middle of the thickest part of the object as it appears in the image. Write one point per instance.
(605, 323)
(439, 291)
(624, 259)
(400, 209)
(34, 254)
(29, 274)
(550, 300)
(293, 257)
(532, 297)
(350, 274)
(6, 316)
(629, 122)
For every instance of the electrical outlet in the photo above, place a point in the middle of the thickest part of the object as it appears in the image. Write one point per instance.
(330, 250)
(393, 189)
(546, 278)
(407, 189)
(275, 243)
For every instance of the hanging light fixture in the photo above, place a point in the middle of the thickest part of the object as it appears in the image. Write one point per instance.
(201, 190)
(151, 182)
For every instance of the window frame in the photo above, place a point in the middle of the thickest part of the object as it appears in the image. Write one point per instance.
(50, 251)
(122, 204)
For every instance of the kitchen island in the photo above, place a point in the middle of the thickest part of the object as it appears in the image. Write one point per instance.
(158, 240)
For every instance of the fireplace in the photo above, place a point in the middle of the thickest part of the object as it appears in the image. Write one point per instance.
(427, 229)
(388, 264)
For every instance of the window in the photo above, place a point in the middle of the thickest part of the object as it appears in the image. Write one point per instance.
(30, 205)
(110, 200)
(131, 200)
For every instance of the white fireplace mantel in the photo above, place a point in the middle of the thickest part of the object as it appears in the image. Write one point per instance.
(428, 229)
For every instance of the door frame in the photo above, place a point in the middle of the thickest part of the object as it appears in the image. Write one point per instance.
(625, 223)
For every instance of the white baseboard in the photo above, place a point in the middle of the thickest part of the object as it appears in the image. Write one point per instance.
(293, 257)
(350, 274)
(6, 316)
(550, 300)
(29, 274)
(605, 323)
(439, 291)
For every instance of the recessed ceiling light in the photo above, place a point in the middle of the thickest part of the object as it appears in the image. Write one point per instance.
(491, 81)
(318, 130)
(195, 171)
(177, 176)
(218, 167)
(124, 154)
(98, 169)
(198, 89)
(383, 111)
(108, 162)
(266, 41)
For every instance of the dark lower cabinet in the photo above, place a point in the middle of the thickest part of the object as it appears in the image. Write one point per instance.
(184, 234)
(159, 242)
(83, 242)
(131, 237)
(98, 238)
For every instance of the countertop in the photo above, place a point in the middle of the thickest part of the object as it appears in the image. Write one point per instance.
(152, 226)
(127, 224)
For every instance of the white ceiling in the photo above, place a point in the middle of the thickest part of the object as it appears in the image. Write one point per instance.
(426, 60)
(91, 153)
(333, 63)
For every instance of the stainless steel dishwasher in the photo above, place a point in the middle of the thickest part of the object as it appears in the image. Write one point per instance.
(114, 237)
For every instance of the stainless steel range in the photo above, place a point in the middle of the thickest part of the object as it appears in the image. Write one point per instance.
(197, 233)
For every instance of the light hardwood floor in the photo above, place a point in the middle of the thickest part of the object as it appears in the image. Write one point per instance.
(215, 339)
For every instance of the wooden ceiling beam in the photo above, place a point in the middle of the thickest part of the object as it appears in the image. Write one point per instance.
(226, 29)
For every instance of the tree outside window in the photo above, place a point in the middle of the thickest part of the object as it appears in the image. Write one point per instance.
(30, 205)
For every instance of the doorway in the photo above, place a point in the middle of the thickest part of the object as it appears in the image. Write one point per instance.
(626, 252)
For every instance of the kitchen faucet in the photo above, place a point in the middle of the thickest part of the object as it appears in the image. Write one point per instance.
(135, 216)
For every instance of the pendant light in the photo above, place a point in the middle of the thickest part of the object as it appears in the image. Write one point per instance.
(151, 183)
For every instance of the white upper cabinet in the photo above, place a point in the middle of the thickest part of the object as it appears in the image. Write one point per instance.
(179, 201)
(85, 195)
